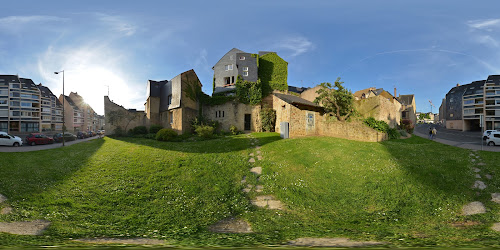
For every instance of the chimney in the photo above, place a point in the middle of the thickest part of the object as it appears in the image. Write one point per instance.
(395, 92)
(458, 84)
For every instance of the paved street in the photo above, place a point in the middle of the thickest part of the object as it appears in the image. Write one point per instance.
(468, 139)
(26, 148)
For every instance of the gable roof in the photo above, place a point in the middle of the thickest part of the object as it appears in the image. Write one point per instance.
(70, 102)
(233, 50)
(291, 99)
(406, 99)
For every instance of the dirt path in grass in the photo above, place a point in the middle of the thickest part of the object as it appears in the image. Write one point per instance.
(36, 227)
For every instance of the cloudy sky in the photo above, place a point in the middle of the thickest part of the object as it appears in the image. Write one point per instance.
(420, 47)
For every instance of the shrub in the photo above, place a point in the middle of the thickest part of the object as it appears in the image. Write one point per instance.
(377, 125)
(393, 133)
(118, 131)
(268, 119)
(140, 130)
(407, 125)
(154, 129)
(234, 130)
(403, 133)
(202, 121)
(205, 131)
(166, 134)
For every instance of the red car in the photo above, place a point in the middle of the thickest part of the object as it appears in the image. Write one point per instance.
(38, 138)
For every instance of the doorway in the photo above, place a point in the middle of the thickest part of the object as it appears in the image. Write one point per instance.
(248, 121)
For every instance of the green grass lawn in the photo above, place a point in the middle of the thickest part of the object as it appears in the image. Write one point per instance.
(403, 192)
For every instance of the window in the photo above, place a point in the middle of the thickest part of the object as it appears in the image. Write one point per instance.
(12, 103)
(169, 99)
(3, 92)
(15, 85)
(229, 67)
(245, 68)
(242, 58)
(468, 102)
(4, 113)
(15, 113)
(171, 117)
(451, 115)
(3, 102)
(245, 73)
(25, 104)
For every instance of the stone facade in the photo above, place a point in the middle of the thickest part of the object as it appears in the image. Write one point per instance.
(310, 94)
(233, 113)
(306, 120)
(380, 108)
(408, 108)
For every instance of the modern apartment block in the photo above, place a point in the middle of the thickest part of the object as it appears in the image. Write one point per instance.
(492, 102)
(19, 105)
(52, 116)
(467, 106)
(73, 116)
(90, 119)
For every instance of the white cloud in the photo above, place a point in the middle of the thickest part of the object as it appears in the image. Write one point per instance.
(488, 40)
(485, 24)
(297, 45)
(118, 24)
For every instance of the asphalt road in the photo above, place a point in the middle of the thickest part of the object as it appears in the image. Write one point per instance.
(468, 137)
(27, 148)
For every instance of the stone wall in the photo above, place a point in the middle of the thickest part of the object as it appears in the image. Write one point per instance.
(233, 113)
(455, 124)
(354, 130)
(305, 121)
(138, 117)
(381, 109)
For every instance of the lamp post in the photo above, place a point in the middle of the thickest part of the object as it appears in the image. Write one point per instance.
(64, 125)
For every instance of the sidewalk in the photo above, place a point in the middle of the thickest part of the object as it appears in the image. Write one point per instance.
(460, 144)
(26, 148)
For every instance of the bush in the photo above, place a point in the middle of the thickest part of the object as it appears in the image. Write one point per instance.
(154, 129)
(140, 130)
(407, 125)
(393, 133)
(118, 131)
(377, 125)
(403, 133)
(166, 134)
(205, 131)
(202, 121)
(234, 130)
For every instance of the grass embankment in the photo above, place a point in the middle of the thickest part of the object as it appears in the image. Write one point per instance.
(405, 192)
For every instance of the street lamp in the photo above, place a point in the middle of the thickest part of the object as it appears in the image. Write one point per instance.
(64, 126)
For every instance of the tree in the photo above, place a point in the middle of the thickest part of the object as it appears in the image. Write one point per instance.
(423, 116)
(336, 99)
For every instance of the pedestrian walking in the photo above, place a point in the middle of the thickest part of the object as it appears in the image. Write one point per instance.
(430, 133)
(434, 132)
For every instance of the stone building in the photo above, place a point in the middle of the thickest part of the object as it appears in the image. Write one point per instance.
(379, 104)
(90, 121)
(454, 107)
(73, 116)
(408, 108)
(233, 64)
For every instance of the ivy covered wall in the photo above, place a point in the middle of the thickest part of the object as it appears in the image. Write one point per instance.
(273, 73)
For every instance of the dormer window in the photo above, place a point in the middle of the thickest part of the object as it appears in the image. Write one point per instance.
(242, 58)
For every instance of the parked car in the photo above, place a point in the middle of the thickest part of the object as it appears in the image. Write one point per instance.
(38, 138)
(101, 132)
(10, 140)
(487, 132)
(89, 134)
(67, 137)
(493, 139)
(81, 135)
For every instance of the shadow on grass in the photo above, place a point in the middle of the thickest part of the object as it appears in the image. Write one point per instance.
(442, 168)
(27, 173)
(217, 145)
